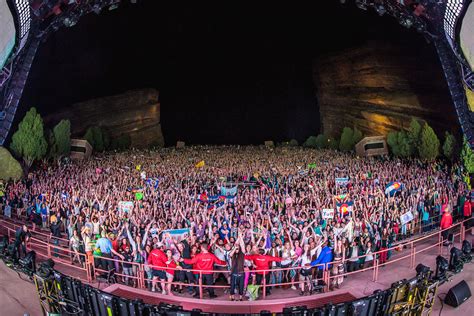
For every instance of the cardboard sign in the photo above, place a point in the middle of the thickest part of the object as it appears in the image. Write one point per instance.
(327, 213)
(125, 206)
(407, 217)
(342, 181)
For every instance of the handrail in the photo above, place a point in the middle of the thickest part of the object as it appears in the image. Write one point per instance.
(326, 277)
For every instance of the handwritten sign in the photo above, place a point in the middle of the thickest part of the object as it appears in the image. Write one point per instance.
(125, 206)
(327, 213)
(407, 217)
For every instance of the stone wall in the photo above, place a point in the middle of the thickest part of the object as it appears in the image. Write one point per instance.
(377, 87)
(135, 113)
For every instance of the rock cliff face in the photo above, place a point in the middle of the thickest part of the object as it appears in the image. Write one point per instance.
(378, 87)
(135, 113)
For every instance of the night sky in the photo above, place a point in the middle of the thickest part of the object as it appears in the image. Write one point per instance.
(228, 74)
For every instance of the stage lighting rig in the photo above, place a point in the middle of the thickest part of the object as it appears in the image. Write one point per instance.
(455, 263)
(466, 251)
(442, 266)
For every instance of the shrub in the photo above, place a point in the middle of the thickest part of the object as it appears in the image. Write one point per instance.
(293, 143)
(311, 142)
(11, 168)
(332, 143)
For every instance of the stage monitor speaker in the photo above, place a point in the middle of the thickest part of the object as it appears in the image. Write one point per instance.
(360, 307)
(458, 294)
(180, 144)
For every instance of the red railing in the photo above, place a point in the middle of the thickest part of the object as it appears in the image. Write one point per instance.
(59, 254)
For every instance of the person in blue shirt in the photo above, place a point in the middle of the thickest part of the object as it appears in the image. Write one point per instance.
(107, 250)
(324, 257)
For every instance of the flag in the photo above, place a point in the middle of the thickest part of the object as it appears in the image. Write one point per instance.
(153, 182)
(138, 167)
(200, 164)
(303, 172)
(203, 197)
(393, 187)
(344, 208)
(139, 196)
(312, 165)
(341, 198)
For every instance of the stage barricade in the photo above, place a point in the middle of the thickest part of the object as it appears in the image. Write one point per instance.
(89, 271)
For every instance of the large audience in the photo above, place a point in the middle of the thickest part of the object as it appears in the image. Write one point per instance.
(233, 212)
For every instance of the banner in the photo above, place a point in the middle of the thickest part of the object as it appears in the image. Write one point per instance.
(407, 217)
(229, 191)
(200, 164)
(342, 181)
(393, 187)
(179, 234)
(327, 213)
(125, 206)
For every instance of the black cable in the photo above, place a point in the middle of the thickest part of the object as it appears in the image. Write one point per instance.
(442, 303)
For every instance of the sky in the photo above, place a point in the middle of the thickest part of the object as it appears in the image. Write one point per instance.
(234, 74)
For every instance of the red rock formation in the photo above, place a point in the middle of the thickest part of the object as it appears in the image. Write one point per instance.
(378, 87)
(135, 113)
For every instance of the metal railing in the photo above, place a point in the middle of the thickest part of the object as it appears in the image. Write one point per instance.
(60, 254)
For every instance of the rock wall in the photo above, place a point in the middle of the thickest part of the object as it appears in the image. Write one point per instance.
(135, 113)
(377, 87)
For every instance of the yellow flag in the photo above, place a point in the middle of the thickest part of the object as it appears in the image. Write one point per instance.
(200, 164)
(138, 167)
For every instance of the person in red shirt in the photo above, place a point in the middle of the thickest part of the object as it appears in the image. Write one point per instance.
(157, 259)
(467, 209)
(204, 262)
(170, 266)
(263, 262)
(446, 222)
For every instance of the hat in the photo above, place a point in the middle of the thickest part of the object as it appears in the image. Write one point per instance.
(159, 244)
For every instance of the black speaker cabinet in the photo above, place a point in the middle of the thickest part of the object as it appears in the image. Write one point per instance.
(458, 294)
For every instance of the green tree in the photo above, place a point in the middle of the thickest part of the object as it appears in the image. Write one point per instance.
(29, 142)
(405, 148)
(311, 142)
(429, 143)
(347, 137)
(414, 136)
(467, 156)
(357, 136)
(293, 143)
(332, 143)
(322, 141)
(11, 168)
(61, 139)
(98, 138)
(449, 145)
(392, 141)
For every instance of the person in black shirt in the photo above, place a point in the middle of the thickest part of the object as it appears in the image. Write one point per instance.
(127, 267)
(55, 234)
(21, 238)
(183, 275)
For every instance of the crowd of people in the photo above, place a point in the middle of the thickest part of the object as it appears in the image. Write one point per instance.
(249, 215)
